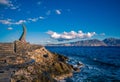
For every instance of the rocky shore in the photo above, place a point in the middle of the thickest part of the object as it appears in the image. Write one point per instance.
(34, 64)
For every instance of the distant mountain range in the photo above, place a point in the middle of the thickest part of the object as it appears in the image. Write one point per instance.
(92, 42)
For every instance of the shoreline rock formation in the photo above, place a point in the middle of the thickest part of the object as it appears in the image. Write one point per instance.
(23, 62)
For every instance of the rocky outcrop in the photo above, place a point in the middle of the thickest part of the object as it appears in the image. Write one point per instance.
(36, 64)
(47, 67)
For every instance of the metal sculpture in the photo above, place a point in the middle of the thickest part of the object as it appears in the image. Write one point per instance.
(23, 36)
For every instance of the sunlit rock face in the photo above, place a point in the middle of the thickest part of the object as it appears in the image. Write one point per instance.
(46, 66)
(34, 63)
(41, 55)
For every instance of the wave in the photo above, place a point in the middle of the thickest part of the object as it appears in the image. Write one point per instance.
(106, 63)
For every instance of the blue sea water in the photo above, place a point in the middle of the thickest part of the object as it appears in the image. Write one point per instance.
(101, 64)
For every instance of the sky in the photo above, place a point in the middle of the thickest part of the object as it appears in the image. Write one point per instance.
(59, 21)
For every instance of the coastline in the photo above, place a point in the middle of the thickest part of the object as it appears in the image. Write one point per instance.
(36, 63)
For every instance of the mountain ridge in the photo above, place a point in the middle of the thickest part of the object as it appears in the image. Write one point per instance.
(91, 42)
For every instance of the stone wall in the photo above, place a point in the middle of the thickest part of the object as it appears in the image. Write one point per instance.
(21, 47)
(18, 47)
(6, 48)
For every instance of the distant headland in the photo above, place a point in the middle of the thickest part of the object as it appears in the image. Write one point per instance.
(91, 42)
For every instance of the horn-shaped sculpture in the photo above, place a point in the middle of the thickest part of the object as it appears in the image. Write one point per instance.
(23, 36)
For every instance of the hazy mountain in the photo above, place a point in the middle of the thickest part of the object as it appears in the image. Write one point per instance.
(92, 42)
(112, 41)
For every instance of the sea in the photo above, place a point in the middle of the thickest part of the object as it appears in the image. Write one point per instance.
(100, 64)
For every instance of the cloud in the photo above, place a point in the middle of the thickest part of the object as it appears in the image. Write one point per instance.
(5, 2)
(33, 19)
(70, 35)
(9, 28)
(8, 4)
(41, 17)
(11, 22)
(8, 21)
(58, 12)
(19, 22)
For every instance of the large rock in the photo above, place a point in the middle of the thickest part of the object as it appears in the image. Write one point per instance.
(48, 67)
(33, 63)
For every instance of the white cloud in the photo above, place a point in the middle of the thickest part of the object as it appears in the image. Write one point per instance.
(33, 19)
(5, 2)
(19, 22)
(8, 21)
(11, 22)
(58, 12)
(4, 22)
(70, 35)
(8, 4)
(41, 17)
(54, 34)
(9, 28)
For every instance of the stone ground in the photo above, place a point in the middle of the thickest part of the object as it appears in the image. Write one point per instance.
(5, 76)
